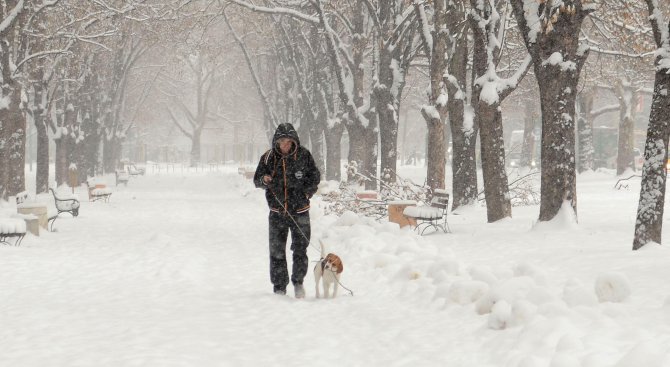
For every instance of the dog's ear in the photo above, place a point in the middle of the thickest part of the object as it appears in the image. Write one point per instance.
(338, 262)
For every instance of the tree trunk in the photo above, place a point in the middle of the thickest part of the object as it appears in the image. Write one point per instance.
(626, 96)
(585, 131)
(528, 145)
(649, 221)
(496, 191)
(195, 147)
(42, 171)
(557, 93)
(12, 142)
(316, 138)
(464, 136)
(387, 113)
(435, 150)
(40, 121)
(333, 134)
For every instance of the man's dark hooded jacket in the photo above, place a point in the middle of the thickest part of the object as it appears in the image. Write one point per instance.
(295, 177)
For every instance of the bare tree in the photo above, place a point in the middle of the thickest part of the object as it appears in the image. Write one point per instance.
(488, 93)
(649, 223)
(551, 33)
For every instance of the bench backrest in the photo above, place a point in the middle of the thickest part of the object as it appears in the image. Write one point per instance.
(64, 204)
(440, 200)
(22, 197)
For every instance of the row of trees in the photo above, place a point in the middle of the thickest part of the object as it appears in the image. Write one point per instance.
(88, 70)
(474, 55)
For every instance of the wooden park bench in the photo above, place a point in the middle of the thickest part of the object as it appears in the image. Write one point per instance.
(97, 191)
(430, 216)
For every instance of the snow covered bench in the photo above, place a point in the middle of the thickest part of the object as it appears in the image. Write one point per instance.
(97, 191)
(134, 170)
(12, 228)
(431, 216)
(63, 204)
(122, 177)
(47, 207)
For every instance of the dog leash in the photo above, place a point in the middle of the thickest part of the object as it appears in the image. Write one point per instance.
(309, 243)
(341, 285)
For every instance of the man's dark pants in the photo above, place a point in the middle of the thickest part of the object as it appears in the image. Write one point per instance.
(280, 223)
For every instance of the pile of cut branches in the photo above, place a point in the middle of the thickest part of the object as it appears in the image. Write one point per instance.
(347, 198)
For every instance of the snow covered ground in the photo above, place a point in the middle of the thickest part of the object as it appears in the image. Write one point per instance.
(173, 271)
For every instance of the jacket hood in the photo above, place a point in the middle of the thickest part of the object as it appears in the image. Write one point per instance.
(285, 130)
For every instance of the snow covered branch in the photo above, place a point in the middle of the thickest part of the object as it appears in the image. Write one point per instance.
(278, 11)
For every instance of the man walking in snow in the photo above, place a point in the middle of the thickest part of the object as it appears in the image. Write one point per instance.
(290, 177)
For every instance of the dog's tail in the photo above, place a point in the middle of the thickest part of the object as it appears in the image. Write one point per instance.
(323, 249)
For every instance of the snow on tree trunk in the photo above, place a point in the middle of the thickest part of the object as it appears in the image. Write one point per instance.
(496, 191)
(488, 92)
(652, 193)
(551, 34)
(557, 93)
(464, 132)
(649, 223)
(435, 112)
(395, 53)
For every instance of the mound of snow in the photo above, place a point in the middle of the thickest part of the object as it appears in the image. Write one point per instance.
(577, 294)
(612, 287)
(501, 315)
(467, 291)
(348, 219)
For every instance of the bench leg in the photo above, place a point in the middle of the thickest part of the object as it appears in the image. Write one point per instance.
(19, 238)
(51, 222)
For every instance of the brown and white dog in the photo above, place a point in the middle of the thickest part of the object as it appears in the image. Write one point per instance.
(327, 271)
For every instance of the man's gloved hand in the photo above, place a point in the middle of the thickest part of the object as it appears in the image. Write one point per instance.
(267, 179)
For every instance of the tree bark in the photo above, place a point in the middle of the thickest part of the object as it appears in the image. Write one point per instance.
(496, 191)
(649, 221)
(585, 131)
(553, 43)
(333, 135)
(435, 150)
(464, 137)
(626, 95)
(12, 141)
(557, 93)
(528, 145)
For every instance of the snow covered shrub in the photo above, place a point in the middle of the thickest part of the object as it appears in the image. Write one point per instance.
(612, 287)
(346, 198)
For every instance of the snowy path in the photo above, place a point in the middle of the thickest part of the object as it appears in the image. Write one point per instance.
(174, 272)
(178, 277)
